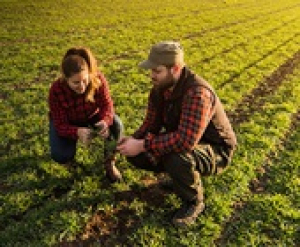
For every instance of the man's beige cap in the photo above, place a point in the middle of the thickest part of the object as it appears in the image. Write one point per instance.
(165, 53)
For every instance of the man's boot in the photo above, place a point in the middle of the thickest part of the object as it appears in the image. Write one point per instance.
(189, 210)
(112, 172)
(188, 213)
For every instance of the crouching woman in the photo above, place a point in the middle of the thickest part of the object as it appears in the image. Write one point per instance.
(79, 101)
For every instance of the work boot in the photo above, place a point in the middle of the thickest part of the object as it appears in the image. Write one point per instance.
(112, 172)
(188, 213)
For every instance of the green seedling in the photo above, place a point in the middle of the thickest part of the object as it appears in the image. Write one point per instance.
(95, 130)
(110, 143)
(111, 146)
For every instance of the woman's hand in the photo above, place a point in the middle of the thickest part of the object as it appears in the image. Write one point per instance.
(103, 129)
(84, 135)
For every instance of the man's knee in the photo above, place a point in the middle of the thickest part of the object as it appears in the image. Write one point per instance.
(133, 160)
(173, 162)
(141, 161)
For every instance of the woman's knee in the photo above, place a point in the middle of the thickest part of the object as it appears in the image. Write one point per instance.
(61, 157)
(62, 149)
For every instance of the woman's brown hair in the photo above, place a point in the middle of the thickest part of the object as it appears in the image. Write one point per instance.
(77, 59)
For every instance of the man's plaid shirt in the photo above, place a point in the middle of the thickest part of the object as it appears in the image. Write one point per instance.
(195, 115)
(69, 110)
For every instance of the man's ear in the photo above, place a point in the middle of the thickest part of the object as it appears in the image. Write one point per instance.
(175, 69)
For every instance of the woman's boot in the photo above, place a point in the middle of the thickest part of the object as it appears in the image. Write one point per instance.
(112, 172)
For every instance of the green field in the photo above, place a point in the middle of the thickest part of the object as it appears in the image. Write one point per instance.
(249, 50)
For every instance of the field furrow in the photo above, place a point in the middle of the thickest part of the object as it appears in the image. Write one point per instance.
(258, 96)
(275, 188)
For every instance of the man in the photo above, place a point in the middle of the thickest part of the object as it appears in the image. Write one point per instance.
(186, 132)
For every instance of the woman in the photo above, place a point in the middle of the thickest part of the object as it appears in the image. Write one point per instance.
(79, 102)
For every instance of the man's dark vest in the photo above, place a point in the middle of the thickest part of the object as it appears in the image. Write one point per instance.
(218, 131)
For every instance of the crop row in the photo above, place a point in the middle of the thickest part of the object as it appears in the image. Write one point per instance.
(271, 207)
(103, 15)
(109, 42)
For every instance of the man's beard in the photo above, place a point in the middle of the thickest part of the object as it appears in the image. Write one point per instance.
(166, 84)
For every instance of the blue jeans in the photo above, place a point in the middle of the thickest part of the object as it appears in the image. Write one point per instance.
(64, 149)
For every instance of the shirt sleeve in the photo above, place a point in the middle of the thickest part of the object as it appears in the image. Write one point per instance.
(58, 114)
(195, 116)
(106, 104)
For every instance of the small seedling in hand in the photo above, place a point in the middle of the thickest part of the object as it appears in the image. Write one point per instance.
(95, 130)
(111, 145)
(111, 142)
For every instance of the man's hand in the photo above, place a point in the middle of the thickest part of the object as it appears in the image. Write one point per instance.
(84, 135)
(103, 129)
(130, 146)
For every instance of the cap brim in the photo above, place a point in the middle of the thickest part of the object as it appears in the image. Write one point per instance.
(147, 65)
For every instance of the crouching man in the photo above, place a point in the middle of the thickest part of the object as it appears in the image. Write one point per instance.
(186, 132)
